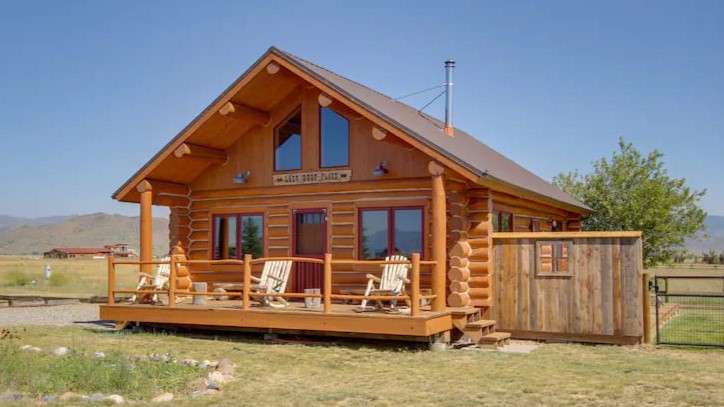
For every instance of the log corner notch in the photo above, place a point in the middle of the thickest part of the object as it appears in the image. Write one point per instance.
(439, 234)
(195, 151)
(244, 112)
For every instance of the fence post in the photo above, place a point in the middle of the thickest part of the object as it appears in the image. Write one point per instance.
(647, 308)
(247, 282)
(172, 282)
(111, 280)
(327, 283)
(415, 294)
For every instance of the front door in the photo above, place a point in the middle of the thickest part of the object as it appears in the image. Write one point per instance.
(310, 240)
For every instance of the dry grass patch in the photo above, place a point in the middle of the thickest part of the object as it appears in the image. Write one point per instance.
(359, 374)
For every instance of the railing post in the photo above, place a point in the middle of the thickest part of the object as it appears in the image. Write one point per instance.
(327, 292)
(111, 280)
(172, 282)
(247, 282)
(415, 294)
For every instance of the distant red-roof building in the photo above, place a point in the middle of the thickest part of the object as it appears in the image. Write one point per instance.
(118, 249)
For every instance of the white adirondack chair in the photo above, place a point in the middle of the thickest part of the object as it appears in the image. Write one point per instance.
(158, 281)
(273, 280)
(392, 282)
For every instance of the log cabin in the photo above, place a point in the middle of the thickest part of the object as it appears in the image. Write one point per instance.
(293, 161)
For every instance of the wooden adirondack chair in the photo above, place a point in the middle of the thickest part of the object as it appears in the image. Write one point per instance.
(392, 282)
(273, 279)
(157, 281)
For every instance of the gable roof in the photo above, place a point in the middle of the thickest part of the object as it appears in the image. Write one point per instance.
(462, 148)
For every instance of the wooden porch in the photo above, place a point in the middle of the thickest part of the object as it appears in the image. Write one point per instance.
(337, 314)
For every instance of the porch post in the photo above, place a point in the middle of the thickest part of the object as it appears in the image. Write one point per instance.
(439, 238)
(146, 225)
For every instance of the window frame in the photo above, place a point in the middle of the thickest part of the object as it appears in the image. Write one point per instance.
(498, 221)
(295, 111)
(239, 232)
(554, 263)
(390, 227)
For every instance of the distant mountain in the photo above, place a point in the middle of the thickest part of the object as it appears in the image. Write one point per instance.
(94, 230)
(710, 239)
(10, 221)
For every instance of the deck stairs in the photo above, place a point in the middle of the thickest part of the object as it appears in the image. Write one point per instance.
(471, 329)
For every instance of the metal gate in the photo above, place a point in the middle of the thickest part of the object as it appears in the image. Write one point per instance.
(689, 310)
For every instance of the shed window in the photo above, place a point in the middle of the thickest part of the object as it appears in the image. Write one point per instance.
(502, 221)
(288, 144)
(237, 235)
(554, 258)
(334, 139)
(388, 231)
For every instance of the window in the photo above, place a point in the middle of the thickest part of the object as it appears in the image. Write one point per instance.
(502, 221)
(334, 138)
(237, 235)
(535, 225)
(556, 226)
(288, 144)
(388, 231)
(553, 258)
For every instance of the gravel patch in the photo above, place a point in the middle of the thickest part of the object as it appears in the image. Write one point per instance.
(59, 315)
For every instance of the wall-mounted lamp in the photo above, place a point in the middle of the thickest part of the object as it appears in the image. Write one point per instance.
(381, 169)
(241, 177)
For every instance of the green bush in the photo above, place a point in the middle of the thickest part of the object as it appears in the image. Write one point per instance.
(17, 278)
(57, 280)
(43, 373)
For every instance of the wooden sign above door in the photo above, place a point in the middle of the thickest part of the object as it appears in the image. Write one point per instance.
(312, 177)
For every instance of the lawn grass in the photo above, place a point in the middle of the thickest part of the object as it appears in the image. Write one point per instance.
(70, 278)
(695, 325)
(356, 373)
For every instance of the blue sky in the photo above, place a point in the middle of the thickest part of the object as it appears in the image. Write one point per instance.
(89, 91)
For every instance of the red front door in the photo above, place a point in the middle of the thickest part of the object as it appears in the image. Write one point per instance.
(310, 240)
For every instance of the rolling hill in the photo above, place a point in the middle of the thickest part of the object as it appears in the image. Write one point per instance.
(37, 236)
(710, 239)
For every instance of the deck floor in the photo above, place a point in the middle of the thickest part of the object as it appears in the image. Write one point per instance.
(296, 317)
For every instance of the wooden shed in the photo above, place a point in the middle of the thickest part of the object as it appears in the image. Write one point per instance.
(293, 161)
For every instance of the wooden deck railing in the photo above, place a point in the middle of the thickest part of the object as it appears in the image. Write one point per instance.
(415, 296)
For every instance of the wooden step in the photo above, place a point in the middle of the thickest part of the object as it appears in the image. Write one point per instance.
(480, 324)
(462, 310)
(496, 339)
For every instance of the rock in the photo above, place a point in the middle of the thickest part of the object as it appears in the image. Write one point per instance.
(115, 399)
(161, 398)
(226, 367)
(215, 380)
(8, 396)
(95, 397)
(99, 355)
(189, 362)
(61, 351)
(69, 395)
(199, 385)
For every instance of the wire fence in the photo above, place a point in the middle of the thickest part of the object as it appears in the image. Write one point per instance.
(689, 310)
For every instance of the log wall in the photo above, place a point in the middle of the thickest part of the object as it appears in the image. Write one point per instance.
(601, 301)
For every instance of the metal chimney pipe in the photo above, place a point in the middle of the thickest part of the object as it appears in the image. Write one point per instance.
(449, 66)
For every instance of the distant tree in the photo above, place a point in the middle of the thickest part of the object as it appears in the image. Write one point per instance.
(721, 258)
(630, 191)
(251, 239)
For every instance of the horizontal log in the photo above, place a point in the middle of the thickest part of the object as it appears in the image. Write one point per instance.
(459, 287)
(479, 292)
(458, 299)
(479, 242)
(480, 254)
(458, 274)
(479, 281)
(478, 267)
(457, 261)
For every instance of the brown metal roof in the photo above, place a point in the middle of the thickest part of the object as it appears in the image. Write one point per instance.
(462, 148)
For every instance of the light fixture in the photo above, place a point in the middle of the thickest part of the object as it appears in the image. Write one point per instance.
(381, 169)
(241, 177)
